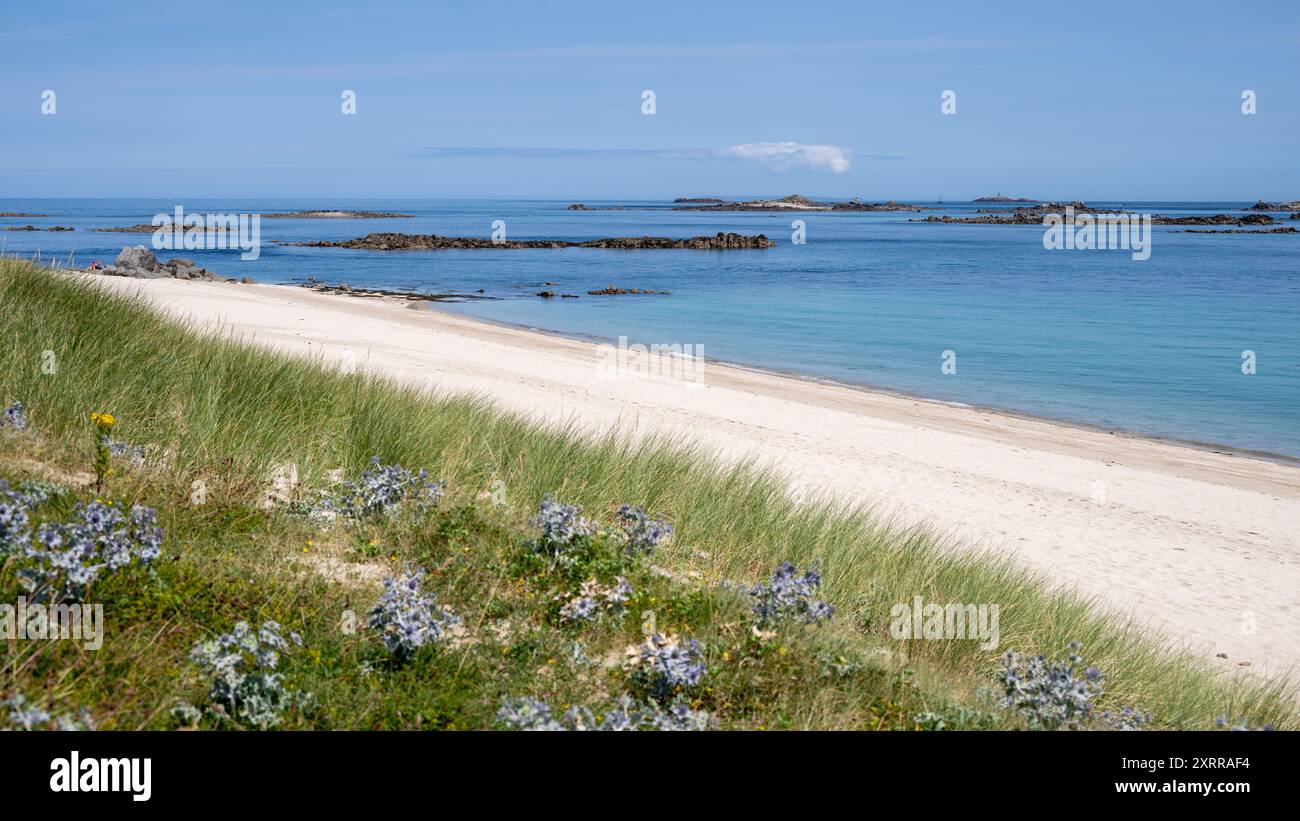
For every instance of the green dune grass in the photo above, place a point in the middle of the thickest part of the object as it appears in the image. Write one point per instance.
(228, 414)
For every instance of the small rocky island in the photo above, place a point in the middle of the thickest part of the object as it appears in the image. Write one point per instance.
(1001, 198)
(1034, 215)
(614, 290)
(35, 228)
(793, 202)
(145, 228)
(336, 215)
(384, 241)
(1293, 205)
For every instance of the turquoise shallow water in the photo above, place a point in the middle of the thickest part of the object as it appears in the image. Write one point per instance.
(1093, 337)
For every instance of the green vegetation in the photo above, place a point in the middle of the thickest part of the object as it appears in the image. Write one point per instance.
(206, 423)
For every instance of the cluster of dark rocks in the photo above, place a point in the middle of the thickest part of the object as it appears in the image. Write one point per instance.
(146, 228)
(1034, 216)
(384, 241)
(34, 228)
(322, 214)
(1216, 219)
(415, 298)
(138, 262)
(1001, 198)
(614, 290)
(1031, 215)
(793, 202)
(1293, 205)
(1283, 230)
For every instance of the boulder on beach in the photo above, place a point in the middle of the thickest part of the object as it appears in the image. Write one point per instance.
(140, 263)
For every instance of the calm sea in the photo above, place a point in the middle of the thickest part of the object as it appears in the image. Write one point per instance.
(1096, 337)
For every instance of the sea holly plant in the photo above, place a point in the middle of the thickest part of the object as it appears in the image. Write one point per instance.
(528, 714)
(36, 492)
(14, 417)
(245, 684)
(626, 714)
(1051, 695)
(789, 596)
(665, 667)
(381, 489)
(408, 618)
(65, 558)
(565, 535)
(20, 714)
(592, 600)
(643, 533)
(15, 521)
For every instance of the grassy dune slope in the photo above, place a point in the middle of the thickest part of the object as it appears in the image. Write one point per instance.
(228, 414)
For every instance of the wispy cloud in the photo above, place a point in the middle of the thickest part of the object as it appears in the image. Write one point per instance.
(787, 155)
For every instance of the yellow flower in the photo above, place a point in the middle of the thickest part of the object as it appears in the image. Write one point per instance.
(103, 419)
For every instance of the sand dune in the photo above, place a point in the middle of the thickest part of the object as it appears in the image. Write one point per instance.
(1204, 545)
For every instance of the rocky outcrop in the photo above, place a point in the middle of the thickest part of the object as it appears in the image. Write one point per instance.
(145, 228)
(718, 242)
(1287, 229)
(34, 228)
(20, 214)
(1000, 198)
(138, 262)
(1215, 219)
(1293, 205)
(1035, 214)
(336, 215)
(414, 297)
(577, 206)
(385, 241)
(1032, 215)
(613, 290)
(795, 202)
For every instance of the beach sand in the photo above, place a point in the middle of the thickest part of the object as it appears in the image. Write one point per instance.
(1202, 544)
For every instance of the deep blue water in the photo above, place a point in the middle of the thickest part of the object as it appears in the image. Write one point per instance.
(1095, 337)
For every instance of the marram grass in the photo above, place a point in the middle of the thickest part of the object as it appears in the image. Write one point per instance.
(228, 414)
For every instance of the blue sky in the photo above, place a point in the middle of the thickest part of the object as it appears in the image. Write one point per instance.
(1125, 101)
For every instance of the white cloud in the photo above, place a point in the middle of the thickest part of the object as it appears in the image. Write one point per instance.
(787, 155)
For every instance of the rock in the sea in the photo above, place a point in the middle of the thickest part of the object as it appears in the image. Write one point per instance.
(1263, 205)
(394, 242)
(614, 290)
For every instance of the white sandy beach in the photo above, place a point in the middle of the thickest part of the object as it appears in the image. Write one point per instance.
(1204, 545)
